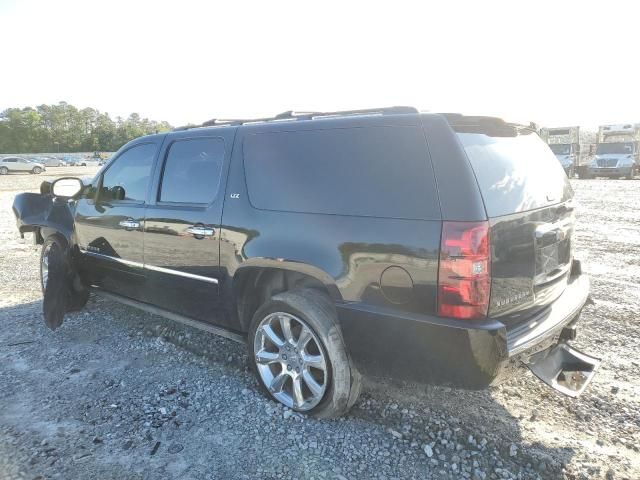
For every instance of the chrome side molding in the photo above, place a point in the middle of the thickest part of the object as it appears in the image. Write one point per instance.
(146, 266)
(181, 274)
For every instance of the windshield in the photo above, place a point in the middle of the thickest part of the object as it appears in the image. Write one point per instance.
(561, 149)
(515, 169)
(606, 148)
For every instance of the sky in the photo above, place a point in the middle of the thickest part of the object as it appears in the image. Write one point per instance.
(557, 63)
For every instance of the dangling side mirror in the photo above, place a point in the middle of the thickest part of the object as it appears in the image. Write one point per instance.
(67, 188)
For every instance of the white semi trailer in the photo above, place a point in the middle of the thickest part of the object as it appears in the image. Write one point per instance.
(565, 144)
(617, 151)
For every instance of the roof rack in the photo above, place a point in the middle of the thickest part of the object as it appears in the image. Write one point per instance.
(295, 115)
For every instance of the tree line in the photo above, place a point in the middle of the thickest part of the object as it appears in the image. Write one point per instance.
(65, 128)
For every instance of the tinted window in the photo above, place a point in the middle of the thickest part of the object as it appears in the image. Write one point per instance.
(373, 171)
(131, 171)
(516, 170)
(192, 171)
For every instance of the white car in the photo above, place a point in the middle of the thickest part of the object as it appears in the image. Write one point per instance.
(49, 161)
(88, 162)
(19, 164)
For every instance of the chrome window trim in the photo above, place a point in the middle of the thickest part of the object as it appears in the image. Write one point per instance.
(168, 271)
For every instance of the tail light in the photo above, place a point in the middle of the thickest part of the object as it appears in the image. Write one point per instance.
(464, 280)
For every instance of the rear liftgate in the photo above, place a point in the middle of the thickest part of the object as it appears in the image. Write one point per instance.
(564, 369)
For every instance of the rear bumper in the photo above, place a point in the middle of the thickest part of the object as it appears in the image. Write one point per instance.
(467, 354)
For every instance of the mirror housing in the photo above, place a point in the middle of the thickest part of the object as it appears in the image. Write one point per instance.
(118, 193)
(45, 188)
(67, 187)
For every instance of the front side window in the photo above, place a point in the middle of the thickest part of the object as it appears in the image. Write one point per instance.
(192, 171)
(128, 176)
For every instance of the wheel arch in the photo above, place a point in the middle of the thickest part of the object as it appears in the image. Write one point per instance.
(257, 281)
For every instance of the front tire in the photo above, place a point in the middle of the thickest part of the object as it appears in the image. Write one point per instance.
(36, 170)
(4, 170)
(298, 354)
(57, 282)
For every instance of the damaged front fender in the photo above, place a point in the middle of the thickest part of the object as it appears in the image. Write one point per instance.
(52, 222)
(44, 214)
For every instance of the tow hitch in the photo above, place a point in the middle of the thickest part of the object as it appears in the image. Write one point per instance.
(564, 369)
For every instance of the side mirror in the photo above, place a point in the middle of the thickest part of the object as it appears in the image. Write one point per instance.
(67, 187)
(45, 188)
(118, 193)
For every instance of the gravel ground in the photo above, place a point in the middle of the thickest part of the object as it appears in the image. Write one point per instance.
(116, 393)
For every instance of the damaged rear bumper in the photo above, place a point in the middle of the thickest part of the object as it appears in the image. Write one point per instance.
(467, 354)
(564, 369)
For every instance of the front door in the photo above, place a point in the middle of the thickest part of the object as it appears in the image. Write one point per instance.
(110, 221)
(182, 229)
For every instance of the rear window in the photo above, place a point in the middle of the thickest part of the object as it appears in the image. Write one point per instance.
(370, 171)
(516, 170)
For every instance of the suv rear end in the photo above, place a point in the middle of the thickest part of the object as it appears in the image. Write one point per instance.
(509, 290)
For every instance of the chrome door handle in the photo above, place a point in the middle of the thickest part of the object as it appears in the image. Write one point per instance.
(198, 231)
(129, 224)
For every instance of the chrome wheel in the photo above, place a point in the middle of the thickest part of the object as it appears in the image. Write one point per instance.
(44, 266)
(291, 361)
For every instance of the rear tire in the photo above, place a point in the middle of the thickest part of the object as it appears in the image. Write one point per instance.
(4, 170)
(340, 383)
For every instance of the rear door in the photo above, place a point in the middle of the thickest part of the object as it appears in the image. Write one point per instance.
(528, 199)
(182, 232)
(109, 222)
(10, 163)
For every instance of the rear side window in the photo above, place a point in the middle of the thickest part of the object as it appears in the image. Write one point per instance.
(192, 171)
(371, 171)
(516, 170)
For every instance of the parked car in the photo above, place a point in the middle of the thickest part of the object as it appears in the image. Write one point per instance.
(428, 247)
(88, 162)
(20, 164)
(49, 161)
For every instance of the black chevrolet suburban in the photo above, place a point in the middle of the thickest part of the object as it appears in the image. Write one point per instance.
(385, 242)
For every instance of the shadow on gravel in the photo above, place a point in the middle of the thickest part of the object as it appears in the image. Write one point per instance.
(406, 428)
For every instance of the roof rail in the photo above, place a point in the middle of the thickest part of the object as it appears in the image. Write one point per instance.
(302, 115)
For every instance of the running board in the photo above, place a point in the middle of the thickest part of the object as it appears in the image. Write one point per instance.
(564, 369)
(222, 332)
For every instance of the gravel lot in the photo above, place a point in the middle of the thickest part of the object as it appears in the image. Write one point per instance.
(116, 393)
